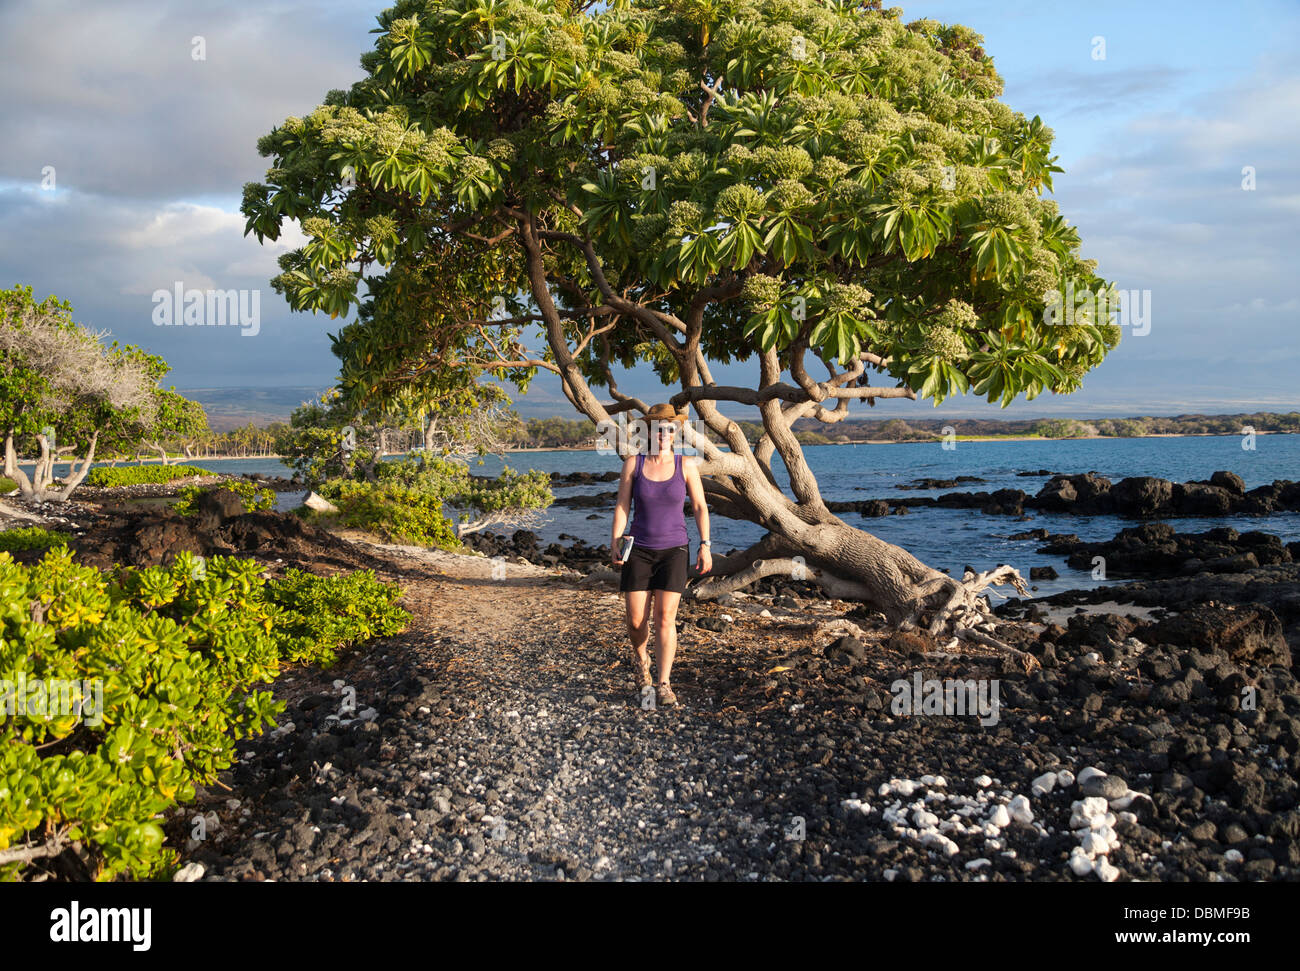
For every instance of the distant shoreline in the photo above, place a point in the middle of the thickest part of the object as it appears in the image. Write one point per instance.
(870, 441)
(1040, 438)
(959, 438)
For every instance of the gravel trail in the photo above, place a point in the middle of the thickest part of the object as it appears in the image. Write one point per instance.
(501, 738)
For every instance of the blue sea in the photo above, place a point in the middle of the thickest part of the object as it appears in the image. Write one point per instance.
(944, 538)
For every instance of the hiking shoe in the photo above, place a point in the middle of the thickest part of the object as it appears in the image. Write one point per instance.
(643, 678)
(664, 694)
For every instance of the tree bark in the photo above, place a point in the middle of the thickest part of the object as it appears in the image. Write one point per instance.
(78, 472)
(26, 489)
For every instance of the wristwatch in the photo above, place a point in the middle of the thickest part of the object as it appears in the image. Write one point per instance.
(705, 542)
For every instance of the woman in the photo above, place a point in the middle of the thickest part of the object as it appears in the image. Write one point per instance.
(656, 567)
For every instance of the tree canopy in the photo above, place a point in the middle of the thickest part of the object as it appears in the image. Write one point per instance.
(799, 175)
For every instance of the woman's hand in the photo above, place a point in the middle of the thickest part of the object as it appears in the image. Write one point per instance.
(613, 554)
(704, 561)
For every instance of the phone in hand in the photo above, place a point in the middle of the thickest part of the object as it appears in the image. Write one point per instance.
(624, 548)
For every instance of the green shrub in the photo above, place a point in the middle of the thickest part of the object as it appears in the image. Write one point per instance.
(174, 653)
(7, 486)
(253, 498)
(30, 538)
(323, 612)
(406, 504)
(397, 512)
(104, 477)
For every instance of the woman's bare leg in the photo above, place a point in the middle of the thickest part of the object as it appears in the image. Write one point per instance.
(638, 622)
(665, 613)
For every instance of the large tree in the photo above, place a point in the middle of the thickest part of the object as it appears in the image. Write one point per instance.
(809, 185)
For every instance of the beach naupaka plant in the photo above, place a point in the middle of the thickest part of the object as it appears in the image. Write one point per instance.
(808, 186)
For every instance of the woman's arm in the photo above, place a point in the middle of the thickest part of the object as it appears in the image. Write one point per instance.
(624, 507)
(695, 488)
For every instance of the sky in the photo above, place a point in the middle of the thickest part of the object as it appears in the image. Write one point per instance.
(123, 156)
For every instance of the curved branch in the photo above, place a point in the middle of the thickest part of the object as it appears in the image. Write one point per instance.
(835, 586)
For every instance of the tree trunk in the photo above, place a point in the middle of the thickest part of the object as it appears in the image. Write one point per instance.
(37, 487)
(76, 473)
(26, 488)
(806, 541)
(804, 537)
(380, 446)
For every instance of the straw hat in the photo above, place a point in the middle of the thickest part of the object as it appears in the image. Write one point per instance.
(666, 412)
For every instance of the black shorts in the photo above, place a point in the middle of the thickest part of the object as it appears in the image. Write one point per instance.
(647, 569)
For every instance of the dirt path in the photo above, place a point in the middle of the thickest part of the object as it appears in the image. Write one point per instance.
(508, 728)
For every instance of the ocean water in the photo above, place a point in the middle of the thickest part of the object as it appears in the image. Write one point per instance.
(954, 538)
(945, 538)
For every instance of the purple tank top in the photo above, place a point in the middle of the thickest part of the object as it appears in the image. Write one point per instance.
(658, 520)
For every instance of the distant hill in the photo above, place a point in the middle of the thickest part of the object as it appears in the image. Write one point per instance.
(549, 424)
(810, 430)
(229, 408)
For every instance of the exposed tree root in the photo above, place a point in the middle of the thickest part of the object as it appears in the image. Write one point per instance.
(1027, 660)
(954, 607)
(25, 854)
(964, 597)
(9, 511)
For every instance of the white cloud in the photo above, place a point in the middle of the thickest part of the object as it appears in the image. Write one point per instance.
(181, 223)
(1234, 127)
(262, 261)
(107, 257)
(165, 277)
(1261, 305)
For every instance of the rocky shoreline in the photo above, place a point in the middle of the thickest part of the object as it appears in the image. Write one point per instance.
(501, 737)
(1086, 494)
(1089, 494)
(1157, 550)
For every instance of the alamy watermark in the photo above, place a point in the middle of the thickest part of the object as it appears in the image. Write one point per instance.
(640, 433)
(931, 696)
(77, 924)
(210, 308)
(1129, 308)
(50, 699)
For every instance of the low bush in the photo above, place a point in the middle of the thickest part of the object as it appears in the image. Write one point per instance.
(151, 676)
(397, 512)
(406, 504)
(253, 498)
(104, 477)
(7, 486)
(321, 613)
(30, 538)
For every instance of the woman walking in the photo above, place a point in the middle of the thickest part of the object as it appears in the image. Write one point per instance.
(654, 575)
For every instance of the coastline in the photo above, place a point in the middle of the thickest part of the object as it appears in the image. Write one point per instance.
(787, 684)
(960, 438)
(865, 441)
